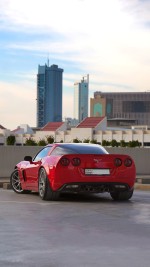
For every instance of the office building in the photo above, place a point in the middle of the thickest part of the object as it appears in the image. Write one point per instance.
(97, 106)
(81, 94)
(122, 108)
(49, 94)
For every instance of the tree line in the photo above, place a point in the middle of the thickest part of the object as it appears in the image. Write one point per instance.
(11, 140)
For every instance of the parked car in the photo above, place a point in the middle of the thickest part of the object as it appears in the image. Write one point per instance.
(75, 167)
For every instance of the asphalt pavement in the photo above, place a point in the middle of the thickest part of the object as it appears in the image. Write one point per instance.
(81, 231)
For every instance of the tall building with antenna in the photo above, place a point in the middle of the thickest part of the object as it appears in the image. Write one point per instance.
(81, 96)
(49, 94)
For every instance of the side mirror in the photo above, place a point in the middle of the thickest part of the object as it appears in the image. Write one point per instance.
(28, 158)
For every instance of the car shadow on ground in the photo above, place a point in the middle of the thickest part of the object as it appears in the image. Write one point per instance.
(80, 197)
(85, 198)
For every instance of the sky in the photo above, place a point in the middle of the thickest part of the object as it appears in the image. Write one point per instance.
(107, 39)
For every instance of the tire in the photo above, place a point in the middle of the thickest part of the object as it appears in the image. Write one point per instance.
(45, 191)
(123, 196)
(15, 182)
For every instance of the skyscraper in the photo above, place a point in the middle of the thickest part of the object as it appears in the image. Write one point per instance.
(49, 94)
(81, 94)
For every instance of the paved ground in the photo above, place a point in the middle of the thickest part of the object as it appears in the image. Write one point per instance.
(75, 231)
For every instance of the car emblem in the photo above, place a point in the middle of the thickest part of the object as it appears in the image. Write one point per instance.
(97, 160)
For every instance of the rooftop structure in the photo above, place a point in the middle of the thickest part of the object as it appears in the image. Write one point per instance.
(52, 126)
(90, 122)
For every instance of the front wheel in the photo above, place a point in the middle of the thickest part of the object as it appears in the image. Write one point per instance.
(45, 191)
(15, 182)
(122, 195)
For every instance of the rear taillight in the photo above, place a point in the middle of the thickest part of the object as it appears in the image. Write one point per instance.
(64, 161)
(76, 161)
(118, 162)
(127, 162)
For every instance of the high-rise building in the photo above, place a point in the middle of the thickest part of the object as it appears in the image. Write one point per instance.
(49, 94)
(122, 108)
(81, 95)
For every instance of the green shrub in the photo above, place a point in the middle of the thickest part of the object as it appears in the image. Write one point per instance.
(123, 143)
(76, 140)
(106, 143)
(30, 142)
(134, 143)
(114, 143)
(86, 140)
(11, 140)
(93, 141)
(50, 139)
(42, 142)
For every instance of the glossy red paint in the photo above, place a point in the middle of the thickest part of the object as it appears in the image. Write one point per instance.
(76, 169)
(120, 174)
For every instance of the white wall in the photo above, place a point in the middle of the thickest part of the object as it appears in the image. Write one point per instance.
(83, 133)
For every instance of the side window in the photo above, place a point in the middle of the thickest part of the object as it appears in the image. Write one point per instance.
(43, 153)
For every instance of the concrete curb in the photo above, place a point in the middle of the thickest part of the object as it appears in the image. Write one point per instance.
(145, 187)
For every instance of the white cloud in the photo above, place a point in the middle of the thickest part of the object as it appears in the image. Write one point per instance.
(67, 15)
(102, 36)
(108, 39)
(18, 104)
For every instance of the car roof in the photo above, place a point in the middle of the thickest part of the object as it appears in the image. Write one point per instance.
(71, 145)
(80, 146)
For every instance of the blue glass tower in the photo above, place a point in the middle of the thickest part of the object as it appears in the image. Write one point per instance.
(49, 94)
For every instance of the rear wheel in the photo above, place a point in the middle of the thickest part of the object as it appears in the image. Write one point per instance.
(122, 195)
(45, 191)
(16, 184)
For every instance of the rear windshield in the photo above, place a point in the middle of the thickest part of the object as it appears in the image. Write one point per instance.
(62, 150)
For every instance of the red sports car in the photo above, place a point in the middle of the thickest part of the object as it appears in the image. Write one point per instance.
(75, 167)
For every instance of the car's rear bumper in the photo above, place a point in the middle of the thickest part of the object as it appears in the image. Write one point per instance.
(94, 187)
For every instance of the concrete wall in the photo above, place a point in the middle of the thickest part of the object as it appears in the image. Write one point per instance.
(11, 155)
(141, 156)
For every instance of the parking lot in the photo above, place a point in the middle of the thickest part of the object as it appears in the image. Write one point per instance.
(74, 231)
